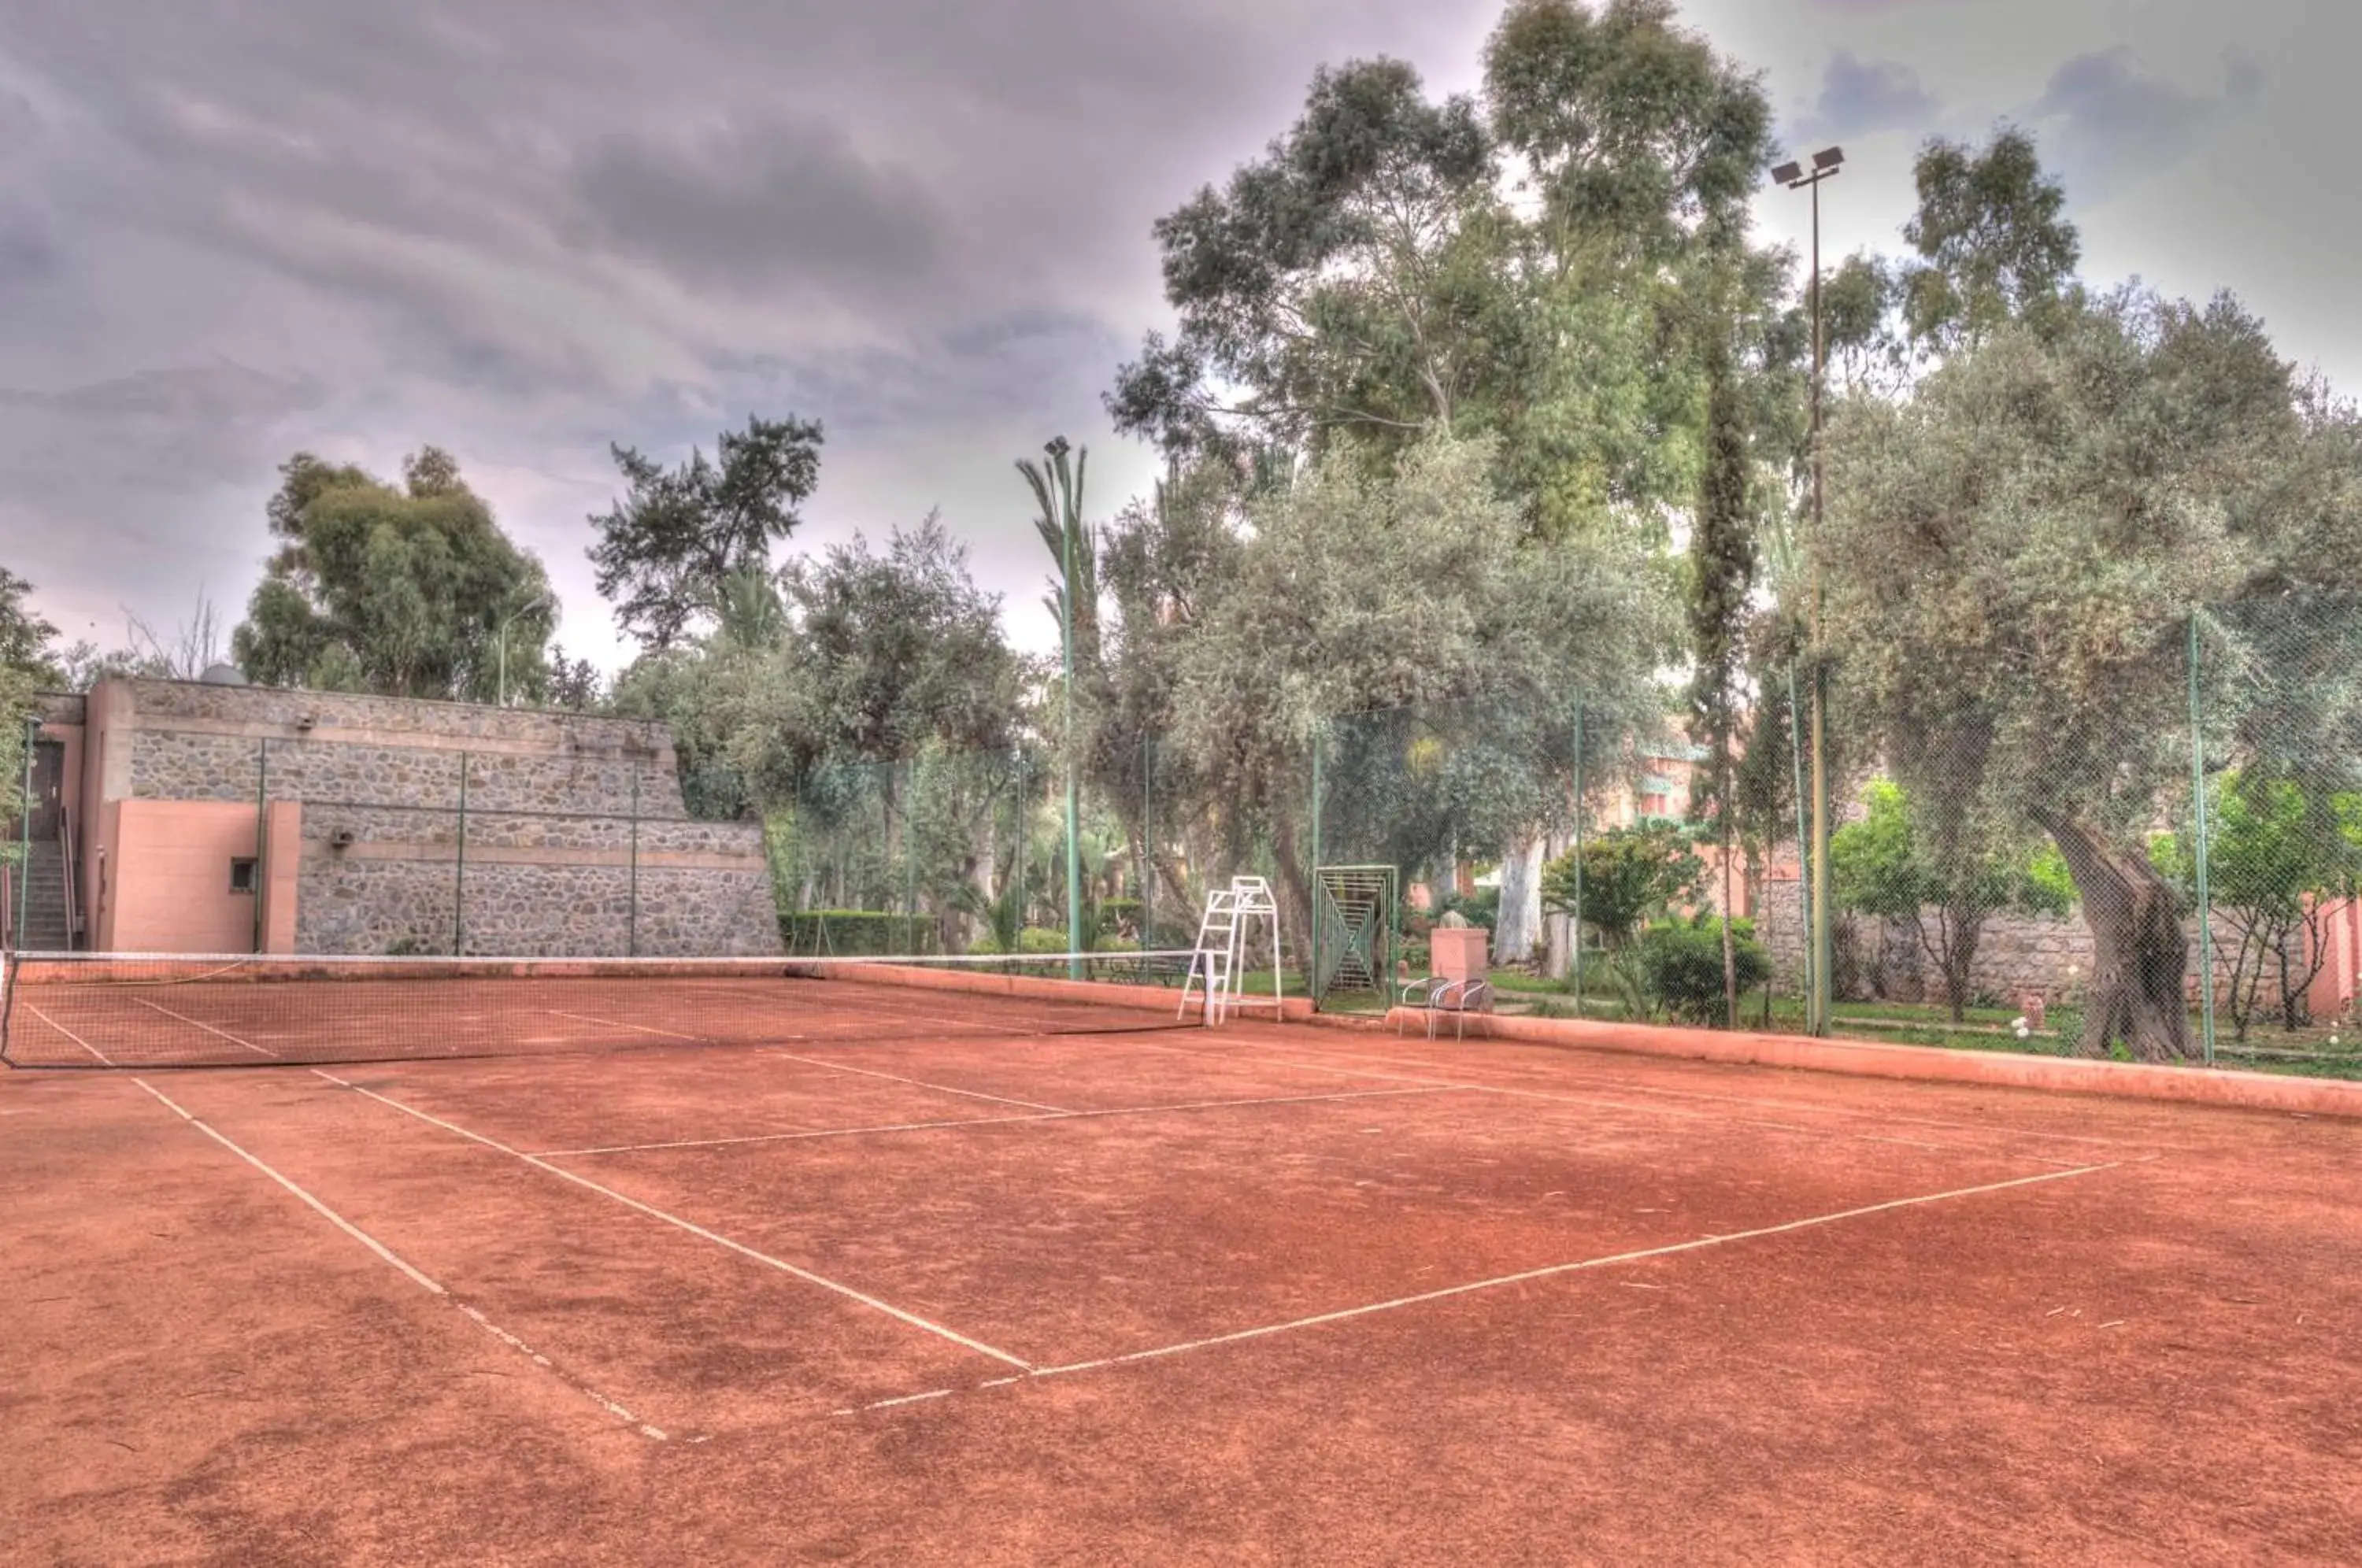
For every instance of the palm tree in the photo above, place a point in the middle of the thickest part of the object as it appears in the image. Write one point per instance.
(1059, 491)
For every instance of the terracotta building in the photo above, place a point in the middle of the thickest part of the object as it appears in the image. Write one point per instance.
(216, 817)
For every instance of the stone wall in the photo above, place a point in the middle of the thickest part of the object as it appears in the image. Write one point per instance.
(2016, 953)
(572, 841)
(196, 765)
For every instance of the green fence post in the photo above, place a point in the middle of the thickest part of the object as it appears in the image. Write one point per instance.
(2198, 813)
(1147, 842)
(1578, 860)
(632, 894)
(1804, 881)
(24, 837)
(262, 830)
(459, 869)
(1312, 977)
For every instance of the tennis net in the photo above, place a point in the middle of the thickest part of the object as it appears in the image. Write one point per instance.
(102, 1010)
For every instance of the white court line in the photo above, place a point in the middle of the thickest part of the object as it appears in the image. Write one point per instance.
(1859, 1113)
(985, 1122)
(208, 1028)
(417, 1277)
(1516, 1093)
(816, 1062)
(918, 1083)
(695, 1230)
(70, 1034)
(1698, 1245)
(618, 1023)
(1669, 1250)
(1647, 1110)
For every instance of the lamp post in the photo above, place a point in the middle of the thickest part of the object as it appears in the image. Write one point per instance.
(1795, 176)
(538, 601)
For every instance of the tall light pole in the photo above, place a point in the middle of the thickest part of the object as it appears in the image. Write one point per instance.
(539, 601)
(1826, 164)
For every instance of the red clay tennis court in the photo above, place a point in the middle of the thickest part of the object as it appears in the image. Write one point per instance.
(986, 1291)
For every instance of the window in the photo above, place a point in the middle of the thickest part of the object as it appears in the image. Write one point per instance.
(241, 874)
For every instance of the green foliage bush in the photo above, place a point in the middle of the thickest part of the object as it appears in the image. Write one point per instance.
(1481, 907)
(857, 932)
(1629, 874)
(1682, 962)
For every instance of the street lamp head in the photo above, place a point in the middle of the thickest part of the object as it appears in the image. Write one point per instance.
(1828, 158)
(1787, 173)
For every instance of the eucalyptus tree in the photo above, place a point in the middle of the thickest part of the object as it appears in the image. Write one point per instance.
(1520, 267)
(25, 635)
(1345, 281)
(404, 590)
(666, 551)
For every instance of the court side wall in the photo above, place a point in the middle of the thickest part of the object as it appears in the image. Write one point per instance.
(180, 901)
(435, 827)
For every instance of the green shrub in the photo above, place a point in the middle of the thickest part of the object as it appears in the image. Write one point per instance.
(1682, 961)
(1481, 907)
(1041, 939)
(857, 932)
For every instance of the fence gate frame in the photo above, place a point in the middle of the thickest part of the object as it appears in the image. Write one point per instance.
(1356, 930)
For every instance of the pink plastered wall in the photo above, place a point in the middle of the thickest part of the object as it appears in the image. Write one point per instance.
(176, 895)
(2336, 987)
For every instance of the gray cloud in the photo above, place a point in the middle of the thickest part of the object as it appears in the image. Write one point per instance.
(1861, 97)
(165, 429)
(523, 228)
(753, 206)
(2115, 122)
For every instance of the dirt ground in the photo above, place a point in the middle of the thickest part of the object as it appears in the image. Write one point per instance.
(1252, 1295)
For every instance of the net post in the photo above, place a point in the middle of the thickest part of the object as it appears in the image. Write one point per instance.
(459, 869)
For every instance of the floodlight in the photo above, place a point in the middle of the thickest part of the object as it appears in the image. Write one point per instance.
(1827, 157)
(1788, 173)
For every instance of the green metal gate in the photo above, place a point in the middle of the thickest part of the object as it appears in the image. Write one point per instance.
(1355, 937)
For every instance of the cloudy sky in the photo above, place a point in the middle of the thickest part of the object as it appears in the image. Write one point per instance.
(522, 229)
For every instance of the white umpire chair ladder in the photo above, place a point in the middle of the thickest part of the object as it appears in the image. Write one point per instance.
(1233, 914)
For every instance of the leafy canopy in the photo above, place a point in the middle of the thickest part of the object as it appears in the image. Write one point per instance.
(666, 550)
(851, 657)
(1630, 875)
(2015, 552)
(1885, 865)
(25, 635)
(400, 591)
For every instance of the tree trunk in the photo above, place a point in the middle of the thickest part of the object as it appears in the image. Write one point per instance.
(1182, 911)
(1296, 884)
(1959, 927)
(1556, 927)
(1520, 916)
(2139, 954)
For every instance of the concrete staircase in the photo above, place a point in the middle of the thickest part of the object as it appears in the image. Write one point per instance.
(44, 899)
